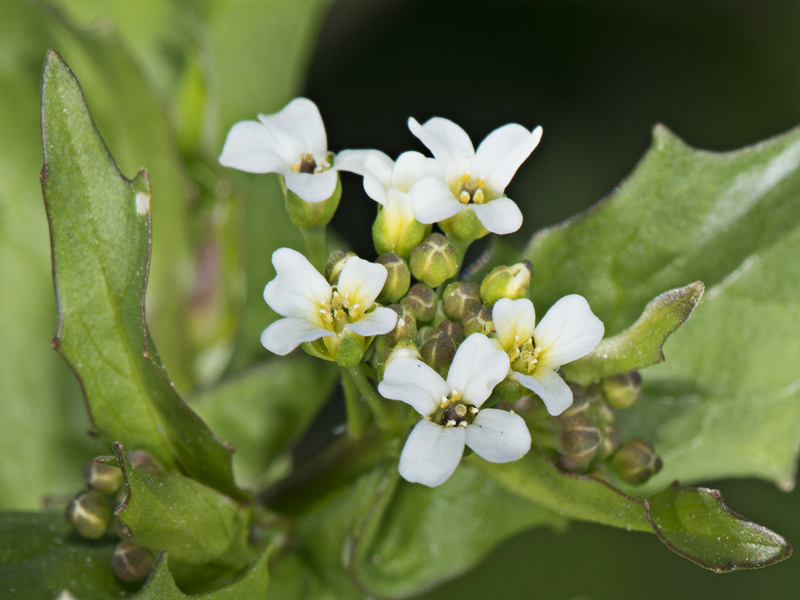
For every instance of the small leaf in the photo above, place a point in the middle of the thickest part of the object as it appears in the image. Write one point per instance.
(41, 556)
(195, 524)
(264, 411)
(698, 525)
(253, 583)
(640, 345)
(100, 232)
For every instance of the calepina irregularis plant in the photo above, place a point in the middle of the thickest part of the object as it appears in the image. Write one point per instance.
(472, 412)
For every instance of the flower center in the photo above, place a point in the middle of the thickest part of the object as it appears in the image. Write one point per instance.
(524, 357)
(454, 413)
(342, 311)
(308, 164)
(471, 190)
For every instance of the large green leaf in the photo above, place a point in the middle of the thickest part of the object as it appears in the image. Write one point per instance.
(264, 411)
(724, 404)
(100, 232)
(40, 556)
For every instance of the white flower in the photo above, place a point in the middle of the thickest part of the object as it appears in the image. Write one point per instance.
(472, 180)
(291, 142)
(313, 309)
(567, 332)
(452, 412)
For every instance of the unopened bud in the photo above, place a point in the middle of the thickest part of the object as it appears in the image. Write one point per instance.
(438, 352)
(405, 328)
(460, 298)
(398, 279)
(132, 562)
(622, 391)
(611, 441)
(144, 461)
(310, 214)
(421, 301)
(90, 513)
(507, 282)
(102, 477)
(579, 439)
(434, 261)
(453, 329)
(399, 233)
(636, 461)
(478, 321)
(335, 264)
(404, 348)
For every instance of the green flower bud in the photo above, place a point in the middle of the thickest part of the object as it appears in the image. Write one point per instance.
(425, 333)
(102, 477)
(507, 282)
(460, 298)
(404, 347)
(438, 352)
(398, 279)
(335, 264)
(307, 214)
(144, 461)
(90, 513)
(611, 441)
(391, 233)
(478, 321)
(579, 439)
(421, 301)
(453, 329)
(434, 261)
(347, 348)
(636, 461)
(622, 391)
(406, 327)
(464, 226)
(132, 562)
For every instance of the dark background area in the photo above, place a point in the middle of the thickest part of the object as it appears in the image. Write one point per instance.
(597, 76)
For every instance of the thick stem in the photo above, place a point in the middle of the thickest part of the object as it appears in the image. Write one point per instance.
(317, 246)
(357, 417)
(384, 415)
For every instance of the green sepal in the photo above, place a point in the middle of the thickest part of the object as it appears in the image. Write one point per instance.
(312, 214)
(464, 226)
(640, 345)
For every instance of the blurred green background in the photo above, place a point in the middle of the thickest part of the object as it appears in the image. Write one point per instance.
(596, 75)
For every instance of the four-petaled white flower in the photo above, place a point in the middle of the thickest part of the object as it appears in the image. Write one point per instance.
(472, 179)
(567, 332)
(291, 142)
(452, 412)
(313, 309)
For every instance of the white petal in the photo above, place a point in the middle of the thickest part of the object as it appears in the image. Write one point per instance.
(375, 189)
(415, 383)
(379, 321)
(500, 215)
(300, 120)
(568, 331)
(448, 143)
(431, 453)
(361, 281)
(478, 366)
(502, 152)
(553, 390)
(514, 321)
(498, 436)
(411, 167)
(284, 335)
(312, 187)
(250, 147)
(361, 162)
(298, 290)
(433, 201)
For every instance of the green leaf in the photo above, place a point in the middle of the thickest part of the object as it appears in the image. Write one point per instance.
(640, 345)
(41, 555)
(253, 583)
(696, 524)
(264, 411)
(196, 525)
(724, 403)
(100, 232)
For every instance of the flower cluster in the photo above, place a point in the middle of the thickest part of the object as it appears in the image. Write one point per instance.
(442, 346)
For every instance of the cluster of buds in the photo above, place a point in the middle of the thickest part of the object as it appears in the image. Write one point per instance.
(91, 514)
(448, 348)
(589, 440)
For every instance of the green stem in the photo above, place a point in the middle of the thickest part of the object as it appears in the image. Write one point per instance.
(357, 418)
(317, 246)
(384, 416)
